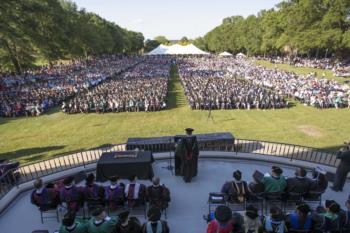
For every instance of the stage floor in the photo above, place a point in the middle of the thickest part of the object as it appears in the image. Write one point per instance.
(189, 200)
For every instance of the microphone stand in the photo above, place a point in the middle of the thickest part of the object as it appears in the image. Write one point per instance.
(170, 165)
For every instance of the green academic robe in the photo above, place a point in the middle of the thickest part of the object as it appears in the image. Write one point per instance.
(274, 184)
(80, 227)
(104, 227)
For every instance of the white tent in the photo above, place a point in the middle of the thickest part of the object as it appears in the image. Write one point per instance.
(225, 54)
(240, 55)
(177, 49)
(161, 49)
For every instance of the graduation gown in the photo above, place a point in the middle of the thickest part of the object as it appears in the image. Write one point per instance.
(106, 226)
(133, 226)
(80, 227)
(189, 159)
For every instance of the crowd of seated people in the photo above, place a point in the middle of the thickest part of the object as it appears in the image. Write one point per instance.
(113, 196)
(209, 83)
(142, 88)
(36, 91)
(100, 200)
(329, 218)
(339, 68)
(122, 223)
(238, 190)
(218, 82)
(309, 90)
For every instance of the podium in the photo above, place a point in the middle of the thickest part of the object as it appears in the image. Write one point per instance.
(124, 164)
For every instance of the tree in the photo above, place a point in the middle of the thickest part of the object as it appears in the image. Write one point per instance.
(56, 29)
(200, 43)
(184, 41)
(150, 45)
(310, 27)
(162, 40)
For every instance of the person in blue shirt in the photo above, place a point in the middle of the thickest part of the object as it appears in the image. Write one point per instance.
(301, 220)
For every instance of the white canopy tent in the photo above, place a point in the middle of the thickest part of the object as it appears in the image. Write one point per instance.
(177, 49)
(240, 55)
(225, 54)
(161, 49)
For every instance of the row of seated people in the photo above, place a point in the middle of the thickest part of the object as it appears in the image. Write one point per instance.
(325, 219)
(238, 190)
(100, 222)
(113, 196)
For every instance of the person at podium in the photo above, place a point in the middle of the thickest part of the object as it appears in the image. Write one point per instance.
(187, 153)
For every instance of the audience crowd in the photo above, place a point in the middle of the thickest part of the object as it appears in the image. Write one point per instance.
(209, 83)
(142, 88)
(142, 85)
(36, 91)
(320, 93)
(339, 68)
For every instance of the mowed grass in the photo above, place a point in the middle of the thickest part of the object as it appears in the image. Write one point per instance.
(36, 138)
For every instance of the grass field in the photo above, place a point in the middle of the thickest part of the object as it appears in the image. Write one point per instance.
(36, 138)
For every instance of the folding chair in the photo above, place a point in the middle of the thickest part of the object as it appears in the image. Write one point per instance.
(292, 199)
(273, 198)
(139, 206)
(313, 199)
(257, 200)
(235, 205)
(215, 200)
(117, 209)
(93, 203)
(48, 212)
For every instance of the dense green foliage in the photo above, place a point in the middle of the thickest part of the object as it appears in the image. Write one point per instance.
(306, 27)
(56, 29)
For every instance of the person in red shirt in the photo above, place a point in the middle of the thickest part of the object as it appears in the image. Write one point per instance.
(223, 222)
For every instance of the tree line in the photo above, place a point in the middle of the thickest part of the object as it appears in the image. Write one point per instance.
(50, 30)
(314, 28)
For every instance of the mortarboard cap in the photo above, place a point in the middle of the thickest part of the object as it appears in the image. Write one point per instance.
(277, 170)
(189, 130)
(123, 215)
(68, 180)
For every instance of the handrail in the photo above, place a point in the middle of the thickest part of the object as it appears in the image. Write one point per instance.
(31, 171)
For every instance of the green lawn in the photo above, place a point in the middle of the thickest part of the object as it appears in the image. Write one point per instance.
(35, 138)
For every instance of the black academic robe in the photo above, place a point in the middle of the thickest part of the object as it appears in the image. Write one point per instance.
(158, 196)
(298, 184)
(133, 226)
(189, 157)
